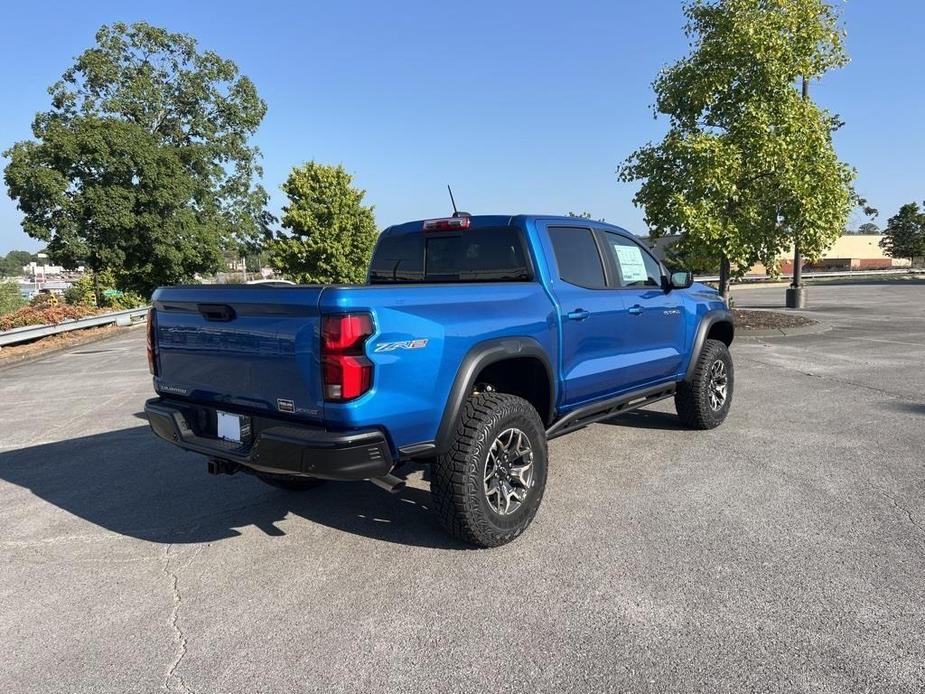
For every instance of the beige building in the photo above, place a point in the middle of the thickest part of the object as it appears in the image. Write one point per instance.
(849, 252)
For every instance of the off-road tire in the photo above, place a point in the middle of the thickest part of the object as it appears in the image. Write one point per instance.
(692, 398)
(290, 483)
(458, 477)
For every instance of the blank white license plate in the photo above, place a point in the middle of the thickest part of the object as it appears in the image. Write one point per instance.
(229, 426)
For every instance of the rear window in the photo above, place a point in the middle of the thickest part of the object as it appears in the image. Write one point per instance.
(491, 254)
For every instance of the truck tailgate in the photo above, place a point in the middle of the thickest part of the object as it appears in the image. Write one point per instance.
(249, 347)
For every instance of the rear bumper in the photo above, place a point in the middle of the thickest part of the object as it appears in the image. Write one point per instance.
(276, 446)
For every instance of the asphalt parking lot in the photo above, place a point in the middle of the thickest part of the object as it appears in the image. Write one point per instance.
(782, 552)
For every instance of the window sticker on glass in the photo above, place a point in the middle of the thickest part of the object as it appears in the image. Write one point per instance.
(632, 267)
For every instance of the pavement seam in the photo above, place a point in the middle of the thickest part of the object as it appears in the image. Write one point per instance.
(832, 379)
(173, 622)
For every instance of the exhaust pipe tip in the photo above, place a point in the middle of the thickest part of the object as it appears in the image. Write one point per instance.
(389, 483)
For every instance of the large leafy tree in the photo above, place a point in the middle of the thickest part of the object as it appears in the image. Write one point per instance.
(747, 166)
(13, 263)
(331, 232)
(143, 164)
(904, 236)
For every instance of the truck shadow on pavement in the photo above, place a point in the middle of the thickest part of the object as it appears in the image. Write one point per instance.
(131, 483)
(646, 419)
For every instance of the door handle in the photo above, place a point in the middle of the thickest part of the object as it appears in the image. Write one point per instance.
(635, 310)
(578, 314)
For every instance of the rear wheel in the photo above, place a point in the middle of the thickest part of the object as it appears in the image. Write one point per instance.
(488, 487)
(290, 482)
(703, 401)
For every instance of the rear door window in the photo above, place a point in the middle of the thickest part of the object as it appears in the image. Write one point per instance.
(577, 256)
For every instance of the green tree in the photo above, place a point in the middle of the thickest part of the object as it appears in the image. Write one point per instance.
(584, 215)
(14, 261)
(10, 298)
(747, 166)
(143, 164)
(868, 228)
(904, 236)
(687, 255)
(332, 233)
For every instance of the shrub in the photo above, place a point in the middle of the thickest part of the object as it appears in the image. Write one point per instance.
(44, 300)
(43, 315)
(124, 301)
(83, 293)
(80, 293)
(10, 298)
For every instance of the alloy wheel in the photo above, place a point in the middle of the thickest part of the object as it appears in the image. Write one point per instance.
(719, 384)
(508, 471)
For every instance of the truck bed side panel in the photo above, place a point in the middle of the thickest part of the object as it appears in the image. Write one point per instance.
(411, 383)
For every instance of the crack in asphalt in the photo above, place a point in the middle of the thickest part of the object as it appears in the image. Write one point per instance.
(897, 505)
(173, 622)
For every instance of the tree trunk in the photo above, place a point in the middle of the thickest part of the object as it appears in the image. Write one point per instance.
(94, 266)
(724, 278)
(96, 288)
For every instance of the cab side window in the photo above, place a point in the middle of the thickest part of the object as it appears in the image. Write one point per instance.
(634, 265)
(577, 256)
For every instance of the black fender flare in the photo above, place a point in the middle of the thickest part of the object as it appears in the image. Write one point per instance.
(718, 315)
(476, 359)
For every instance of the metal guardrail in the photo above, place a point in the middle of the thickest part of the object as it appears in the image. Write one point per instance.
(819, 275)
(33, 332)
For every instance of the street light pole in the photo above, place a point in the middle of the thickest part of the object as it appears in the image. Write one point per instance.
(796, 292)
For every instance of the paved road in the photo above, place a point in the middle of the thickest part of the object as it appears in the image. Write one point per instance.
(783, 552)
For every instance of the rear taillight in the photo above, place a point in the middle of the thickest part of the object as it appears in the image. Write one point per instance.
(152, 361)
(346, 371)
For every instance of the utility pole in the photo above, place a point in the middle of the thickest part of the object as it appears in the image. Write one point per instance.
(796, 292)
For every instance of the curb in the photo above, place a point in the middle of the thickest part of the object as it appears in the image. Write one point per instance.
(758, 285)
(819, 327)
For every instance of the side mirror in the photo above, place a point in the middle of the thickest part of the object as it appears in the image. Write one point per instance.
(681, 280)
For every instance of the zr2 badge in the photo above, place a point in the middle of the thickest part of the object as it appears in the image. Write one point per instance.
(420, 343)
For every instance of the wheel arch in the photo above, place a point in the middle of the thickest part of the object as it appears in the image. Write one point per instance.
(517, 355)
(717, 325)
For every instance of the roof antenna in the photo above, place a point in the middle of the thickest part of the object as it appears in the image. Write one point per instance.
(456, 213)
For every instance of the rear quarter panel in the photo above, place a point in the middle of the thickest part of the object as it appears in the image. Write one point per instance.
(411, 385)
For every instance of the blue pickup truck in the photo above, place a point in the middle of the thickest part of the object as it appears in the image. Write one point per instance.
(475, 340)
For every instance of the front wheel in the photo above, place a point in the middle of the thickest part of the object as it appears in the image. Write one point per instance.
(487, 488)
(703, 401)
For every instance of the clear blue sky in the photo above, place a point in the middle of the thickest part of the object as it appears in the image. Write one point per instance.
(521, 106)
